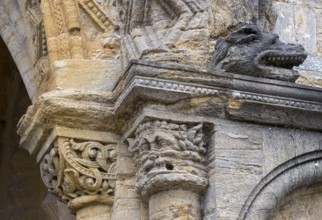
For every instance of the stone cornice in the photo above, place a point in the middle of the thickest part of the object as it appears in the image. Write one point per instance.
(73, 109)
(181, 74)
(169, 84)
(278, 101)
(165, 86)
(241, 98)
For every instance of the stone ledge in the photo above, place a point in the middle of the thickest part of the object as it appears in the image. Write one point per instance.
(235, 97)
(170, 84)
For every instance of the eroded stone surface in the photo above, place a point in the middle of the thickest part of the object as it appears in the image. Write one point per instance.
(71, 55)
(242, 154)
(249, 51)
(171, 156)
(302, 204)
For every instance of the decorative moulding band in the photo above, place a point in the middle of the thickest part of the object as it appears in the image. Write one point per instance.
(165, 85)
(79, 134)
(195, 89)
(278, 101)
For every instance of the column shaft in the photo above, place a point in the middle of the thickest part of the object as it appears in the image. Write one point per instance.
(174, 204)
(95, 212)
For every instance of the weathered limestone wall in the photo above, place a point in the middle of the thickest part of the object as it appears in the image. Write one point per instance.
(242, 155)
(241, 158)
(72, 56)
(105, 35)
(300, 22)
(305, 203)
(245, 160)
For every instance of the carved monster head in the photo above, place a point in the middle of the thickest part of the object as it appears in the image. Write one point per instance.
(167, 152)
(248, 51)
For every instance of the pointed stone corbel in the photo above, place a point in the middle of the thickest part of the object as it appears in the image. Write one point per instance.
(172, 171)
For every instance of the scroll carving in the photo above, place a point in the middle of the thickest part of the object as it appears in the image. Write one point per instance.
(170, 155)
(80, 172)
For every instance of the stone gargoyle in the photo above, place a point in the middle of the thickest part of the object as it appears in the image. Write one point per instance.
(248, 51)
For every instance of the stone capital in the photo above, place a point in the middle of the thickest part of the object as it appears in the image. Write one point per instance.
(171, 155)
(80, 171)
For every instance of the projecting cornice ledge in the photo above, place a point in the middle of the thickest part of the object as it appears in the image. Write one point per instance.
(219, 94)
(177, 89)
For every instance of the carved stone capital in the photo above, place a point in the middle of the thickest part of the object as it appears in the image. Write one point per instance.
(81, 173)
(170, 155)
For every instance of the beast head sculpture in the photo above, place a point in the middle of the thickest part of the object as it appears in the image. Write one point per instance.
(248, 51)
(170, 155)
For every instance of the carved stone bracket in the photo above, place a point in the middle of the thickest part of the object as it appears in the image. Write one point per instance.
(171, 156)
(81, 173)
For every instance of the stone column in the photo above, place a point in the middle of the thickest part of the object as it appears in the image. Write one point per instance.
(82, 174)
(172, 173)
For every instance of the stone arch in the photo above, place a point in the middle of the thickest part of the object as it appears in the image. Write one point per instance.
(14, 34)
(304, 203)
(20, 183)
(298, 172)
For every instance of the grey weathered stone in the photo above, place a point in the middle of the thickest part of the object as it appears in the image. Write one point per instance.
(228, 14)
(303, 203)
(296, 24)
(249, 51)
(310, 72)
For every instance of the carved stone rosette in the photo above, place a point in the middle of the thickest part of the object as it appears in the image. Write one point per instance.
(171, 156)
(80, 173)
